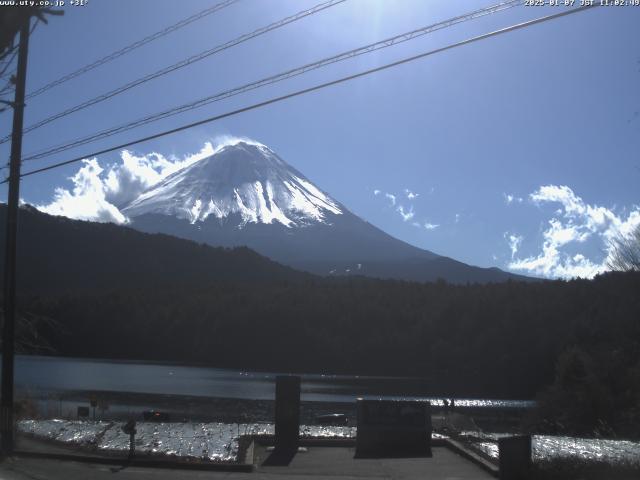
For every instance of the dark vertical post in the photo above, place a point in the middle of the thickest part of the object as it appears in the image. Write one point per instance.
(130, 429)
(287, 412)
(6, 404)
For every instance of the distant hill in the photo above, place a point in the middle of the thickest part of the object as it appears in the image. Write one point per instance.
(57, 254)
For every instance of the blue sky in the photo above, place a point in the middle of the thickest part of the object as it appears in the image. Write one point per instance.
(520, 151)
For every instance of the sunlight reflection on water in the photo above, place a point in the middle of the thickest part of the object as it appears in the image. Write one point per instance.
(548, 448)
(219, 441)
(216, 442)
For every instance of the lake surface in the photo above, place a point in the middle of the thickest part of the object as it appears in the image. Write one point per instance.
(51, 375)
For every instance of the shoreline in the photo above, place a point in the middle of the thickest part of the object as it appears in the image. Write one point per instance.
(316, 383)
(189, 408)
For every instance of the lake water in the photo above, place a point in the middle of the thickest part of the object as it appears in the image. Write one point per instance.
(61, 377)
(51, 375)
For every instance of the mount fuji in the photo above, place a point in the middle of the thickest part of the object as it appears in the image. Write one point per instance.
(246, 195)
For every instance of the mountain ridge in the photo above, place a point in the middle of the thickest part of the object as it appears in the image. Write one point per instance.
(58, 254)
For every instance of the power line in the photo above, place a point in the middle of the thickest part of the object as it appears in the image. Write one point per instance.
(9, 86)
(314, 88)
(181, 64)
(8, 64)
(276, 78)
(5, 90)
(15, 50)
(132, 46)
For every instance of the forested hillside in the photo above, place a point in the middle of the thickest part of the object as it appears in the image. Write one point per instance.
(498, 340)
(114, 293)
(56, 254)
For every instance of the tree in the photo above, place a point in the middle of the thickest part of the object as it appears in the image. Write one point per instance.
(578, 401)
(625, 252)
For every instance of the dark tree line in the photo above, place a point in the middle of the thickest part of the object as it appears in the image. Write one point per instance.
(499, 340)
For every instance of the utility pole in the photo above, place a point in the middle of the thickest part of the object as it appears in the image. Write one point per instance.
(8, 328)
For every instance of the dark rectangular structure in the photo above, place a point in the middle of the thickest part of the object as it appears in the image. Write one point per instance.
(393, 428)
(287, 412)
(515, 457)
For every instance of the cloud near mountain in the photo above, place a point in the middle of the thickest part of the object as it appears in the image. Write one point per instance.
(98, 192)
(406, 213)
(563, 253)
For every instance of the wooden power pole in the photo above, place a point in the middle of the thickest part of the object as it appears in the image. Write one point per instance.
(8, 327)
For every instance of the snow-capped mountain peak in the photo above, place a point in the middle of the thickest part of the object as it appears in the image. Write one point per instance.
(243, 179)
(245, 195)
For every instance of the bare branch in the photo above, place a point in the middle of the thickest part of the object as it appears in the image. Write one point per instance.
(626, 252)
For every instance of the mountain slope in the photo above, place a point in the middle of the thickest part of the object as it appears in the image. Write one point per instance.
(57, 254)
(245, 194)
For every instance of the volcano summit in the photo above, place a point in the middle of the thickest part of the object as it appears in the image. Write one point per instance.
(245, 194)
(244, 181)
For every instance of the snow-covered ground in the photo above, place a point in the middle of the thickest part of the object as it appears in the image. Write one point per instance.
(216, 442)
(548, 449)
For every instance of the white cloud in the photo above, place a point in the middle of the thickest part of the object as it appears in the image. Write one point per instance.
(221, 141)
(457, 218)
(126, 181)
(406, 215)
(411, 195)
(391, 197)
(578, 223)
(514, 242)
(425, 225)
(509, 199)
(98, 193)
(87, 200)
